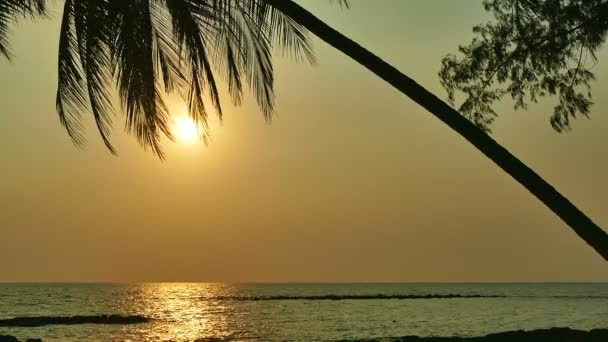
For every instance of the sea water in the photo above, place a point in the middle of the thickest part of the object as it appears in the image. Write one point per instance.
(302, 312)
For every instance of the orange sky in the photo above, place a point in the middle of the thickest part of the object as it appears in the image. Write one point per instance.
(351, 182)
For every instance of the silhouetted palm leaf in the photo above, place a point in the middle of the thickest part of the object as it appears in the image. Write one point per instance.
(10, 10)
(147, 47)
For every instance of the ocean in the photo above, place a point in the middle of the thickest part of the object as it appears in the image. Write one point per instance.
(302, 312)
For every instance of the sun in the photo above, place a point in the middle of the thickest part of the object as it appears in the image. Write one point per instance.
(186, 130)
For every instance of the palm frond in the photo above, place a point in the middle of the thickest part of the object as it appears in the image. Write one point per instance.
(133, 59)
(191, 39)
(344, 3)
(95, 35)
(147, 47)
(10, 11)
(71, 92)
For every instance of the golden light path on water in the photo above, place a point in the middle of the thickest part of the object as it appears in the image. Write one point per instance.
(182, 312)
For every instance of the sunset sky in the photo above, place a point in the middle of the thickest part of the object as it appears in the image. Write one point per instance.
(351, 182)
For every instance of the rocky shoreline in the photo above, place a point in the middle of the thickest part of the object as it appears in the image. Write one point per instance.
(539, 335)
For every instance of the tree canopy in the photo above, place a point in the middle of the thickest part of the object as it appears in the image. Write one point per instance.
(533, 49)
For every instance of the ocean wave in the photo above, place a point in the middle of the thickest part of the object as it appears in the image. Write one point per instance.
(349, 297)
(39, 321)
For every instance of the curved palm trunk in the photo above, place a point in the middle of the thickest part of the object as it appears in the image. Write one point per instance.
(576, 219)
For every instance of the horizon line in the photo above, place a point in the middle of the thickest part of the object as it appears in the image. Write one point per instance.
(103, 282)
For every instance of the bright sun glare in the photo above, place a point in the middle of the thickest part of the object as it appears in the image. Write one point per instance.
(186, 130)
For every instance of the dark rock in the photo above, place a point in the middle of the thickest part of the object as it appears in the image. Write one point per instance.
(58, 320)
(8, 338)
(540, 335)
(353, 297)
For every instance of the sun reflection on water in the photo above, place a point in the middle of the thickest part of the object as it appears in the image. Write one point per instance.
(182, 312)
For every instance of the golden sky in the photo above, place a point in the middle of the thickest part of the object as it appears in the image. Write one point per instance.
(351, 182)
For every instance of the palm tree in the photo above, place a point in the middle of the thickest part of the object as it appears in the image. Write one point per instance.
(582, 225)
(181, 44)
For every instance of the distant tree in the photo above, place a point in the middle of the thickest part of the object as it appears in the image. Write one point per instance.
(146, 46)
(533, 49)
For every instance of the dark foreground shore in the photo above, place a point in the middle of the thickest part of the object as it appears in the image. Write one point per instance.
(541, 335)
